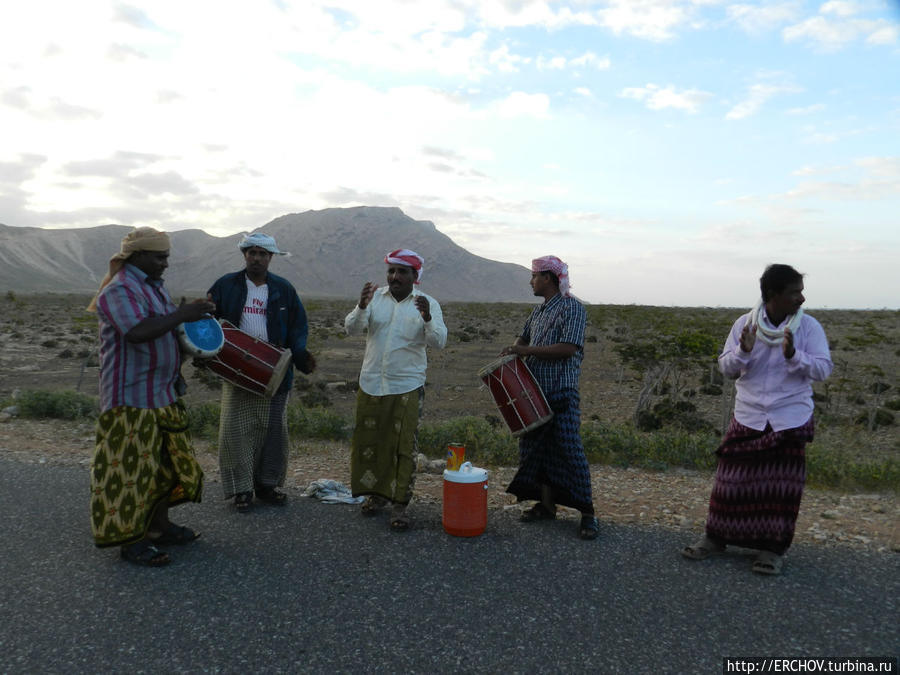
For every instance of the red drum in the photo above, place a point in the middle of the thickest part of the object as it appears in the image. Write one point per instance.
(250, 363)
(516, 393)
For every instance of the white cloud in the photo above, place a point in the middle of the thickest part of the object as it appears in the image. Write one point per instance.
(505, 61)
(759, 19)
(832, 35)
(654, 20)
(757, 96)
(659, 98)
(807, 110)
(591, 59)
(886, 35)
(840, 8)
(520, 104)
(551, 62)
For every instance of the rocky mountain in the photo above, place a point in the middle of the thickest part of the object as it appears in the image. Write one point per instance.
(333, 253)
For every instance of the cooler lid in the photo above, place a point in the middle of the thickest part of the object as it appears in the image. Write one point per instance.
(466, 474)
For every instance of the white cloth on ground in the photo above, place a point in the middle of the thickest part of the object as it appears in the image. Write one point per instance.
(331, 492)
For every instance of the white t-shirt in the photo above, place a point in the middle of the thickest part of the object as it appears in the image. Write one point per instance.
(253, 318)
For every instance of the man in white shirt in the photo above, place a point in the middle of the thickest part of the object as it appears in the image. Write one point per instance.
(401, 323)
(775, 352)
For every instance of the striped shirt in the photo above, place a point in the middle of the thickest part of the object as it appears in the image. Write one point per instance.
(559, 319)
(140, 375)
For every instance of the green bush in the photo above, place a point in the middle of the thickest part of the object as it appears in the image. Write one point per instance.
(64, 405)
(316, 423)
(484, 443)
(622, 445)
(827, 467)
(203, 420)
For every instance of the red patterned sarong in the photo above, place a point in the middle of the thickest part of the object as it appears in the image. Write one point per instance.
(759, 485)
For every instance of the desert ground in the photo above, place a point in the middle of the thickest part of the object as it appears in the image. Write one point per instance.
(49, 342)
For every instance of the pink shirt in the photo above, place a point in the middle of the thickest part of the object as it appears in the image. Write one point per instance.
(770, 388)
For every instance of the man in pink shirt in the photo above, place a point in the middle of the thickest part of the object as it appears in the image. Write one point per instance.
(775, 352)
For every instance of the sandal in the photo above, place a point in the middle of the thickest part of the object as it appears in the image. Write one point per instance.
(242, 501)
(537, 512)
(703, 549)
(768, 563)
(175, 534)
(146, 554)
(270, 495)
(589, 528)
(399, 518)
(372, 505)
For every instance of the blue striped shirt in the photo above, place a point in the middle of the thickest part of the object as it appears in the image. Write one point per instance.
(140, 375)
(560, 319)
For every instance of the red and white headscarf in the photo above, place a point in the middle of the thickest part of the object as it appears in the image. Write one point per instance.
(550, 263)
(403, 256)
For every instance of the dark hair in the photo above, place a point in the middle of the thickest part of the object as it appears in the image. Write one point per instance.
(553, 277)
(776, 278)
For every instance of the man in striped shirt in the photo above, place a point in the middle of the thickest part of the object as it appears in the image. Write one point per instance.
(143, 459)
(553, 468)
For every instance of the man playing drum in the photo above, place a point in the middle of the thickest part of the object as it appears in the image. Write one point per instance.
(143, 460)
(401, 322)
(553, 468)
(775, 352)
(253, 436)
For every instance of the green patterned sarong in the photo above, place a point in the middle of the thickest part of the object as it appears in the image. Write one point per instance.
(141, 457)
(382, 456)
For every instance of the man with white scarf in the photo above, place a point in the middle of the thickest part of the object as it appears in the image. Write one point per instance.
(775, 352)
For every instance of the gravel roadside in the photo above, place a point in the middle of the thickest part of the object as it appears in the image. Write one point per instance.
(675, 499)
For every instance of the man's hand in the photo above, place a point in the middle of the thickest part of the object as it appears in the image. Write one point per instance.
(787, 347)
(365, 297)
(196, 309)
(424, 307)
(310, 364)
(748, 337)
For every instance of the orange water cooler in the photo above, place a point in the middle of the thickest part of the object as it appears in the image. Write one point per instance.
(465, 501)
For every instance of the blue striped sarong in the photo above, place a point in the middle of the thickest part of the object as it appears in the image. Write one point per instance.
(553, 455)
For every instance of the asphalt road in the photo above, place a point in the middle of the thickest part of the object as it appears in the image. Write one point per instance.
(317, 588)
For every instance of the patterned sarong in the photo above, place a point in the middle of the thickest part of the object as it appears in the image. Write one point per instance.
(553, 455)
(384, 447)
(759, 485)
(141, 457)
(253, 440)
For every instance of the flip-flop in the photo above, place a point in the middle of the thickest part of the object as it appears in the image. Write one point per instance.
(703, 549)
(399, 519)
(242, 501)
(537, 512)
(768, 563)
(372, 505)
(589, 528)
(176, 534)
(146, 554)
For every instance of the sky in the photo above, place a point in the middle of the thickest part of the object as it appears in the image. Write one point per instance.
(667, 150)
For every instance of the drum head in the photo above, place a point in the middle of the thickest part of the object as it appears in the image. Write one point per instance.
(205, 336)
(496, 363)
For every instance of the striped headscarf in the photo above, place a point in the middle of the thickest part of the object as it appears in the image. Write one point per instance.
(550, 263)
(403, 256)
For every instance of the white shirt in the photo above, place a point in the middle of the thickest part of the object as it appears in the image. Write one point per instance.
(395, 360)
(770, 388)
(253, 318)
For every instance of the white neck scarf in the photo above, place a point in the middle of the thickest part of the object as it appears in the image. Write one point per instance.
(772, 336)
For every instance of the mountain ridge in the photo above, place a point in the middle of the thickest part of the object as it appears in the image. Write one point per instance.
(333, 252)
